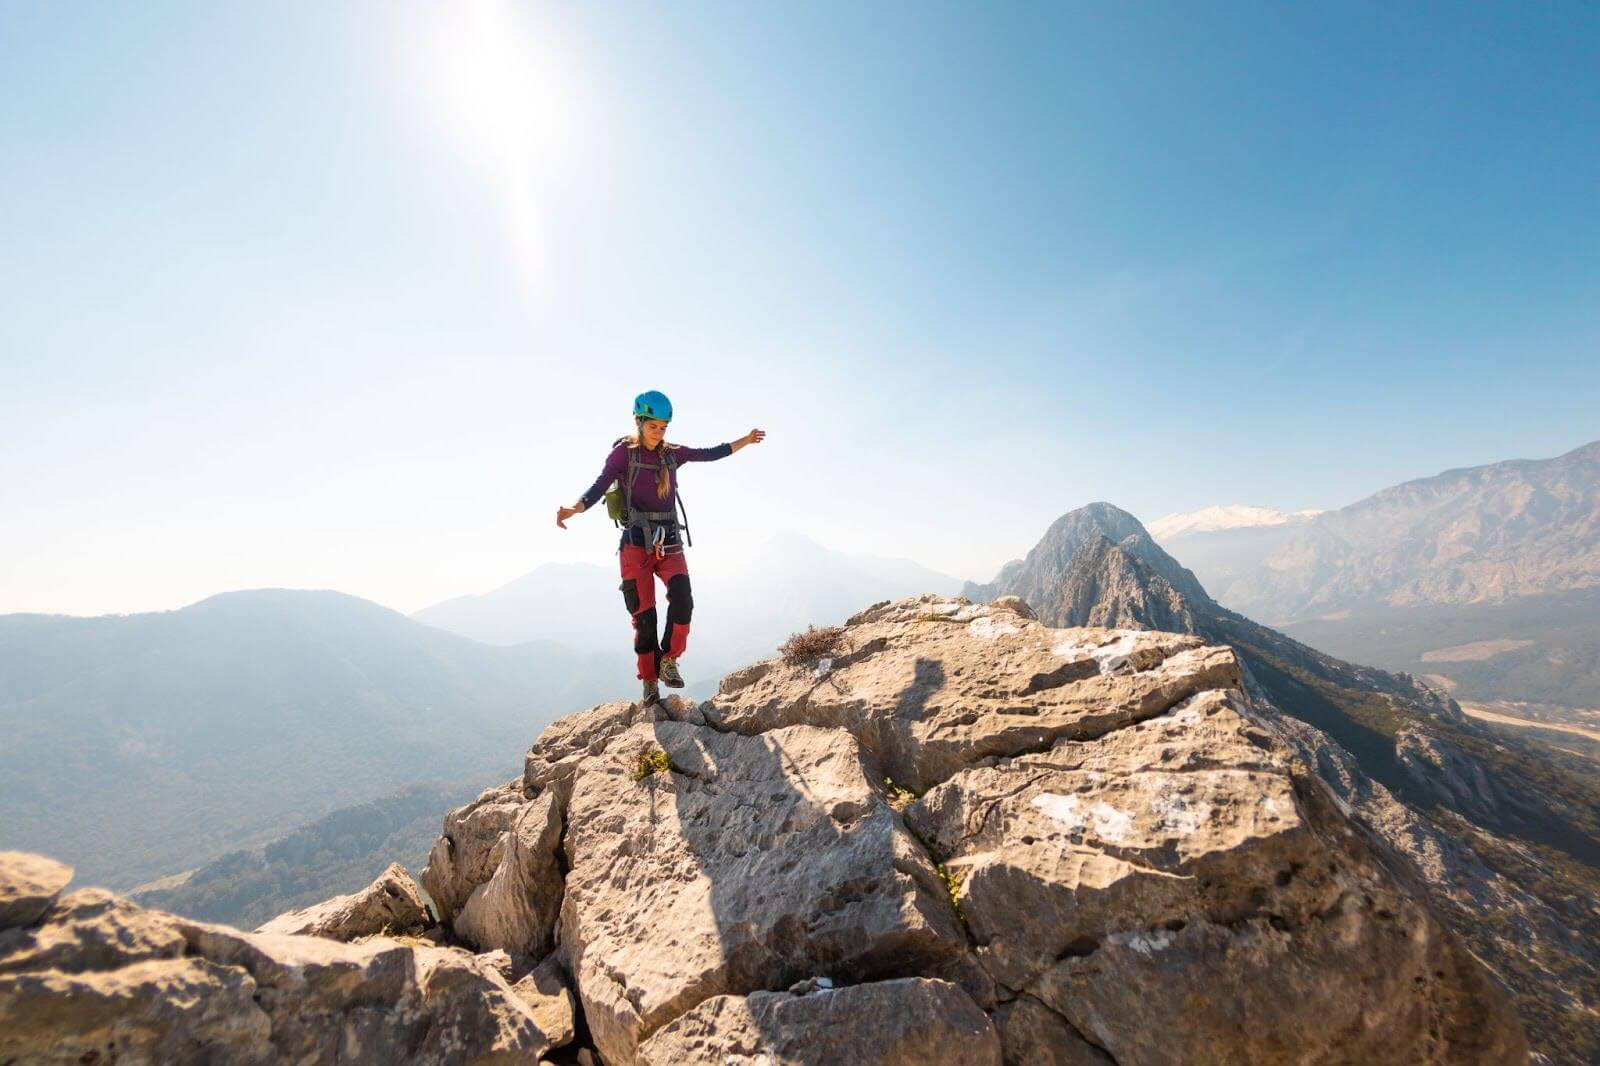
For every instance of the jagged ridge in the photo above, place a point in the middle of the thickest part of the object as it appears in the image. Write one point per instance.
(1110, 829)
(1507, 840)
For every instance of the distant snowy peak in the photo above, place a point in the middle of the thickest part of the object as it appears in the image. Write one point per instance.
(1211, 519)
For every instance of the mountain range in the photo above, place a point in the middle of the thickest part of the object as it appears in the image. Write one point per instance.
(743, 613)
(1484, 580)
(141, 745)
(1479, 535)
(337, 853)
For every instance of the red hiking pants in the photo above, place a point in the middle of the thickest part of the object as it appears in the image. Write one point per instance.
(640, 568)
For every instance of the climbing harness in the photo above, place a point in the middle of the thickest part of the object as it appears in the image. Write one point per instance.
(653, 524)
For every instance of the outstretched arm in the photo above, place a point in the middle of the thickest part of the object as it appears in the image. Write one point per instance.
(685, 454)
(616, 466)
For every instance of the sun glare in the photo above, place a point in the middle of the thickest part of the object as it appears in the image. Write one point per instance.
(494, 81)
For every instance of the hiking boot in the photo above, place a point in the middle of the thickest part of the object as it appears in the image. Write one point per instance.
(669, 672)
(652, 692)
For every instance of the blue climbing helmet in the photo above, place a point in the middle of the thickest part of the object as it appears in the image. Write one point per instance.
(652, 404)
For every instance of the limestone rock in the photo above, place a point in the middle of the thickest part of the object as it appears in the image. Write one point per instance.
(1441, 769)
(90, 929)
(29, 884)
(906, 1022)
(1180, 861)
(168, 1010)
(1033, 1034)
(568, 741)
(932, 685)
(102, 979)
(391, 904)
(967, 837)
(516, 908)
(1014, 604)
(753, 862)
(545, 991)
(468, 852)
(1482, 823)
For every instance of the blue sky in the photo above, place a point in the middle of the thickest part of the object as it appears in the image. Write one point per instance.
(353, 295)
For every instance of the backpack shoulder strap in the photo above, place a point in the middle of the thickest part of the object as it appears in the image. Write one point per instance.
(633, 471)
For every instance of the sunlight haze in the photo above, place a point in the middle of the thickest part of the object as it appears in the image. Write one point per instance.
(355, 295)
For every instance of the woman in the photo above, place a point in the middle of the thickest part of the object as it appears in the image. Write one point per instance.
(651, 544)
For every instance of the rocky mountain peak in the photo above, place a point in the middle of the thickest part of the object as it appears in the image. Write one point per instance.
(1112, 585)
(1470, 806)
(1039, 578)
(961, 835)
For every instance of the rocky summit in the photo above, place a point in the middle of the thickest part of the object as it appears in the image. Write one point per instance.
(958, 836)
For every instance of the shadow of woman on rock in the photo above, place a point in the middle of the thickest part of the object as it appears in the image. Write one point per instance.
(802, 869)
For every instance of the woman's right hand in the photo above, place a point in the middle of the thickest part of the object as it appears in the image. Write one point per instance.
(564, 513)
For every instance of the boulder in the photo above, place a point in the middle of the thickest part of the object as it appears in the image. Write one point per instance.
(516, 908)
(751, 863)
(547, 994)
(169, 1010)
(29, 884)
(1180, 868)
(90, 929)
(102, 979)
(390, 905)
(1014, 604)
(470, 848)
(1034, 1034)
(567, 742)
(906, 1022)
(932, 685)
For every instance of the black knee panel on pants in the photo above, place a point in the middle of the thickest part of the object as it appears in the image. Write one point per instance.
(680, 600)
(644, 631)
(630, 595)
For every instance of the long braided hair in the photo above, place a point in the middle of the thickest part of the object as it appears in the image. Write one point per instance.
(663, 475)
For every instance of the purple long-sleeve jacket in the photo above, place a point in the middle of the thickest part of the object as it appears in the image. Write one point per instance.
(642, 494)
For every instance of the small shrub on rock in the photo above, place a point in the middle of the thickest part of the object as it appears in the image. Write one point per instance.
(952, 885)
(899, 797)
(812, 646)
(651, 762)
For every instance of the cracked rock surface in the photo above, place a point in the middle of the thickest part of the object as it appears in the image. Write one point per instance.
(917, 1021)
(962, 837)
(99, 979)
(754, 862)
(391, 904)
(931, 685)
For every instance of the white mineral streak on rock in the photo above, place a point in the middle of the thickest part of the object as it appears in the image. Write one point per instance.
(1145, 944)
(1177, 814)
(1070, 813)
(988, 627)
(1112, 656)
